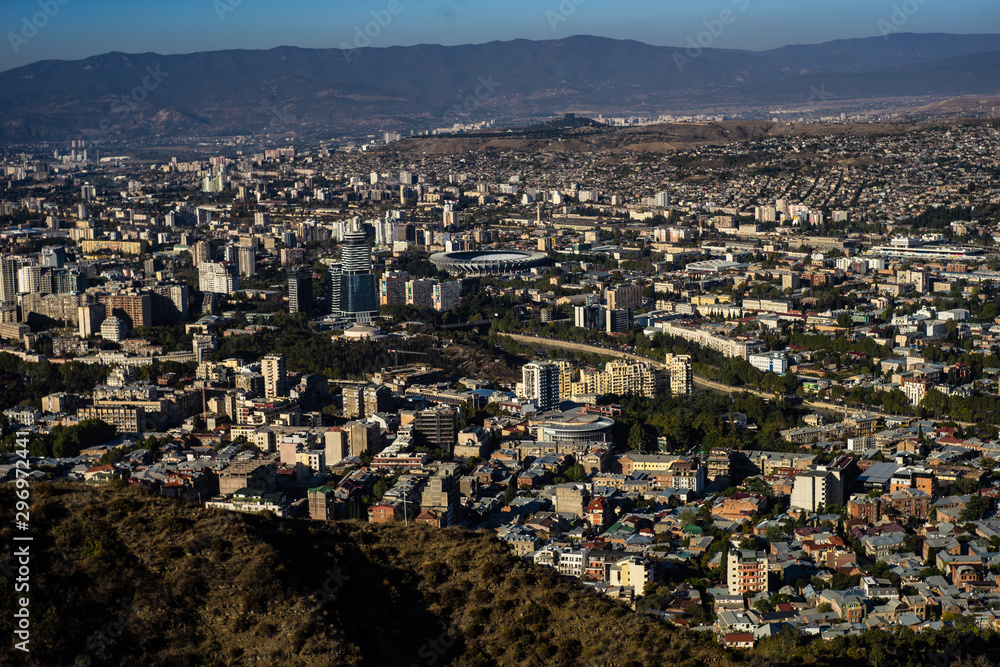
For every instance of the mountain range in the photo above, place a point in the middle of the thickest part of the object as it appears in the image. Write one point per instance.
(331, 92)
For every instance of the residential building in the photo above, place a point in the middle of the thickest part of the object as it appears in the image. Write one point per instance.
(275, 375)
(625, 297)
(681, 374)
(541, 384)
(216, 278)
(446, 296)
(746, 571)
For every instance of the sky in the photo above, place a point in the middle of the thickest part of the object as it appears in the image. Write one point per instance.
(73, 29)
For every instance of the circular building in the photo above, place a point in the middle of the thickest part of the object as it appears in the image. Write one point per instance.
(488, 262)
(364, 332)
(555, 426)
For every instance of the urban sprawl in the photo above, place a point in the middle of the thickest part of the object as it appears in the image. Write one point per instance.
(746, 388)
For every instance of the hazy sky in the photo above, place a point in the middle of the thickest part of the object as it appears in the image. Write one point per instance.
(73, 29)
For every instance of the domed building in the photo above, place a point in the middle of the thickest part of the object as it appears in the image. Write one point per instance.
(363, 332)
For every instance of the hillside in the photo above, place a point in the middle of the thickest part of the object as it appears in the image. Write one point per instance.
(319, 93)
(648, 138)
(208, 588)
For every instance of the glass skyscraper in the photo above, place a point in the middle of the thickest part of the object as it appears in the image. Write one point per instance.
(351, 284)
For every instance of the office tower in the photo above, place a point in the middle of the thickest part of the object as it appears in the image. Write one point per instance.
(214, 277)
(588, 316)
(300, 297)
(275, 375)
(618, 321)
(446, 296)
(353, 290)
(541, 383)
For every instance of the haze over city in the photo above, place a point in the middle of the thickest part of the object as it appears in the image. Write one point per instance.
(80, 29)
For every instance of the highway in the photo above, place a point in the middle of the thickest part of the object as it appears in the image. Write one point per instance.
(699, 381)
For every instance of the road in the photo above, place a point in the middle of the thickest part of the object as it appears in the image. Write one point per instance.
(608, 352)
(699, 381)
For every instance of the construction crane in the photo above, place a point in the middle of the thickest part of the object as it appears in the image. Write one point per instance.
(396, 353)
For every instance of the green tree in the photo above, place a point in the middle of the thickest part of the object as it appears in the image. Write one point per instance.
(637, 437)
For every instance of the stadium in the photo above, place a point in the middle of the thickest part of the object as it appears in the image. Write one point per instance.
(488, 262)
(556, 426)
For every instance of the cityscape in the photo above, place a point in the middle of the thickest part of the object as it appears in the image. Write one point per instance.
(547, 380)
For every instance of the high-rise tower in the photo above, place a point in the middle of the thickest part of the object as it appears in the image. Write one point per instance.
(353, 291)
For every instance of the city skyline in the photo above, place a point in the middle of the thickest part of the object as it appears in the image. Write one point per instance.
(37, 31)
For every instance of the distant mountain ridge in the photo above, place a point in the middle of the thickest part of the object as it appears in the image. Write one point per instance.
(322, 92)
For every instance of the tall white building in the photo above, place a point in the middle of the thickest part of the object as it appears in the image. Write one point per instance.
(681, 374)
(275, 375)
(246, 260)
(215, 277)
(816, 487)
(746, 571)
(541, 383)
